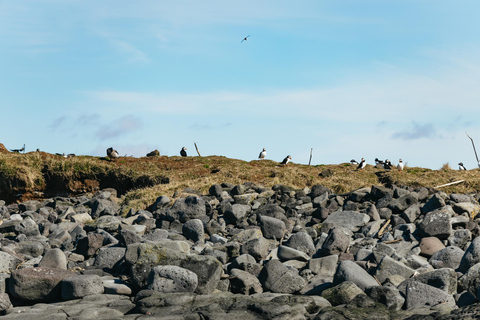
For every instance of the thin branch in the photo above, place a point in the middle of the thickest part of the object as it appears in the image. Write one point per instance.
(474, 150)
(197, 149)
(309, 161)
(449, 184)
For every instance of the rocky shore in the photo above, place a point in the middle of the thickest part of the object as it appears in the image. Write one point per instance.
(243, 252)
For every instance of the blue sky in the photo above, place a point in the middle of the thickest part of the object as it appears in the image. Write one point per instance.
(350, 79)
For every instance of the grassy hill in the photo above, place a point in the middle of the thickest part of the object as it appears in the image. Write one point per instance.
(139, 181)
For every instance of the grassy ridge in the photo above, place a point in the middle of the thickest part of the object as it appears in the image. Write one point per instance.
(141, 180)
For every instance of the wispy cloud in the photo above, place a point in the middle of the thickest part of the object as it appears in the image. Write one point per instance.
(131, 51)
(123, 126)
(417, 131)
(57, 123)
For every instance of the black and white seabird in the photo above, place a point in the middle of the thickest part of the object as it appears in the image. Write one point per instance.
(18, 150)
(461, 166)
(262, 154)
(387, 165)
(183, 152)
(112, 153)
(400, 165)
(378, 162)
(362, 164)
(245, 39)
(353, 161)
(286, 160)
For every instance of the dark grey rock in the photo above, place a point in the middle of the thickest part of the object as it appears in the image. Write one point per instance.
(102, 207)
(79, 286)
(389, 267)
(27, 227)
(184, 209)
(471, 256)
(87, 246)
(318, 190)
(336, 242)
(272, 228)
(257, 248)
(236, 212)
(301, 241)
(401, 204)
(193, 230)
(350, 271)
(37, 284)
(8, 262)
(276, 277)
(172, 279)
(387, 295)
(436, 224)
(433, 203)
(5, 304)
(244, 283)
(419, 294)
(450, 257)
(54, 258)
(351, 220)
(110, 258)
(127, 237)
(342, 293)
(444, 279)
(160, 203)
(286, 253)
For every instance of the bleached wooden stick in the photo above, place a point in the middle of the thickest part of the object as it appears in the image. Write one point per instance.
(473, 144)
(449, 184)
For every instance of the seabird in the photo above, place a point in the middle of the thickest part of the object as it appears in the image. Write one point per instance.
(461, 166)
(183, 152)
(378, 161)
(387, 165)
(61, 154)
(362, 164)
(286, 160)
(71, 155)
(353, 161)
(245, 39)
(262, 154)
(400, 165)
(18, 150)
(112, 153)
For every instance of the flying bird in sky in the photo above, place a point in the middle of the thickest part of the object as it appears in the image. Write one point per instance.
(245, 39)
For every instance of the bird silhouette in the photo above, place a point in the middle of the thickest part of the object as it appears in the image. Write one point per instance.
(18, 150)
(400, 165)
(362, 164)
(183, 152)
(262, 154)
(245, 39)
(112, 153)
(286, 160)
(461, 166)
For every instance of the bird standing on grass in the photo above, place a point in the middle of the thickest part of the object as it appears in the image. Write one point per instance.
(387, 165)
(19, 150)
(286, 160)
(183, 152)
(353, 161)
(112, 153)
(362, 164)
(400, 165)
(262, 154)
(461, 166)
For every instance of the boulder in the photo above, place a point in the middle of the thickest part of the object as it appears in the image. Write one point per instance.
(8, 262)
(336, 242)
(184, 209)
(450, 257)
(110, 258)
(390, 267)
(193, 230)
(37, 284)
(387, 295)
(278, 278)
(419, 295)
(79, 286)
(244, 282)
(471, 256)
(285, 253)
(172, 279)
(301, 241)
(142, 257)
(350, 271)
(430, 245)
(351, 220)
(5, 304)
(54, 258)
(342, 293)
(436, 224)
(236, 212)
(272, 228)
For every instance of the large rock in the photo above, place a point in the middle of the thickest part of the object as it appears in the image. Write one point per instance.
(37, 284)
(301, 241)
(102, 207)
(80, 286)
(404, 202)
(342, 293)
(390, 267)
(450, 257)
(109, 258)
(336, 242)
(236, 212)
(54, 258)
(172, 279)
(193, 230)
(436, 224)
(5, 304)
(278, 278)
(257, 248)
(87, 246)
(471, 256)
(444, 279)
(419, 295)
(144, 256)
(8, 262)
(352, 220)
(272, 228)
(350, 271)
(387, 295)
(244, 283)
(184, 209)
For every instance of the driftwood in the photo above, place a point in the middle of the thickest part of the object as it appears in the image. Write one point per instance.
(474, 150)
(309, 161)
(197, 149)
(449, 184)
(382, 230)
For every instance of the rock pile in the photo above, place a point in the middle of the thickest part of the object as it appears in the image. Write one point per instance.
(246, 252)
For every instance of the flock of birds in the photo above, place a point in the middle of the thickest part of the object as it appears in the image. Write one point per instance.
(387, 164)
